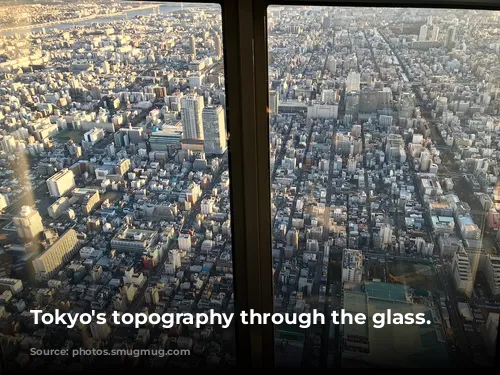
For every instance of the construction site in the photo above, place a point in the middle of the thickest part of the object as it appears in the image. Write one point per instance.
(415, 275)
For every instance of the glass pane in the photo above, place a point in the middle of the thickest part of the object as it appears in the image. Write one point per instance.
(115, 185)
(385, 194)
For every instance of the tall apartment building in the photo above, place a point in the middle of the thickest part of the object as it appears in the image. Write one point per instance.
(450, 37)
(8, 144)
(218, 46)
(422, 36)
(60, 183)
(191, 115)
(28, 223)
(435, 33)
(492, 273)
(192, 46)
(273, 102)
(55, 256)
(214, 130)
(352, 266)
(353, 82)
(462, 274)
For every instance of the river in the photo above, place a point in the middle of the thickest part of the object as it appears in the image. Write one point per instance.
(164, 9)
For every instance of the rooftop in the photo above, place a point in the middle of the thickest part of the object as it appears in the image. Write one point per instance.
(386, 291)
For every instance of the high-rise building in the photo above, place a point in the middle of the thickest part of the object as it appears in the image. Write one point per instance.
(8, 144)
(462, 273)
(332, 64)
(28, 223)
(385, 234)
(368, 101)
(192, 46)
(273, 102)
(55, 256)
(106, 68)
(435, 33)
(353, 82)
(425, 160)
(218, 46)
(191, 114)
(326, 23)
(60, 183)
(4, 201)
(422, 37)
(352, 104)
(214, 130)
(492, 273)
(450, 37)
(352, 266)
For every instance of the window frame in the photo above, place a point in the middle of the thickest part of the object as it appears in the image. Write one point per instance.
(243, 30)
(259, 41)
(244, 34)
(249, 173)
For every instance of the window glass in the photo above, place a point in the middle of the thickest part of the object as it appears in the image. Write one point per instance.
(384, 157)
(114, 187)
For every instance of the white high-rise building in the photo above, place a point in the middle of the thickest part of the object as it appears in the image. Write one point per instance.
(191, 116)
(425, 160)
(184, 241)
(214, 130)
(8, 144)
(60, 183)
(28, 223)
(353, 82)
(332, 65)
(207, 206)
(106, 68)
(386, 234)
(462, 274)
(174, 257)
(4, 201)
(328, 96)
(352, 266)
(422, 37)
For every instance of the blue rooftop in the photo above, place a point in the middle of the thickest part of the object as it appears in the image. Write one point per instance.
(466, 220)
(386, 291)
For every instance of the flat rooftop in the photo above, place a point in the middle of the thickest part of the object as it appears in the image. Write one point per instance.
(405, 345)
(398, 345)
(386, 291)
(354, 303)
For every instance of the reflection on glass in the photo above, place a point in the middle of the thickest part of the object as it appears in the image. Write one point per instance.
(114, 192)
(384, 157)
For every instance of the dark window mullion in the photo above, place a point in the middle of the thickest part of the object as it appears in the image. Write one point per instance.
(262, 123)
(251, 234)
(452, 4)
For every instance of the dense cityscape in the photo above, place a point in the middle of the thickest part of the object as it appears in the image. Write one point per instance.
(114, 188)
(384, 154)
